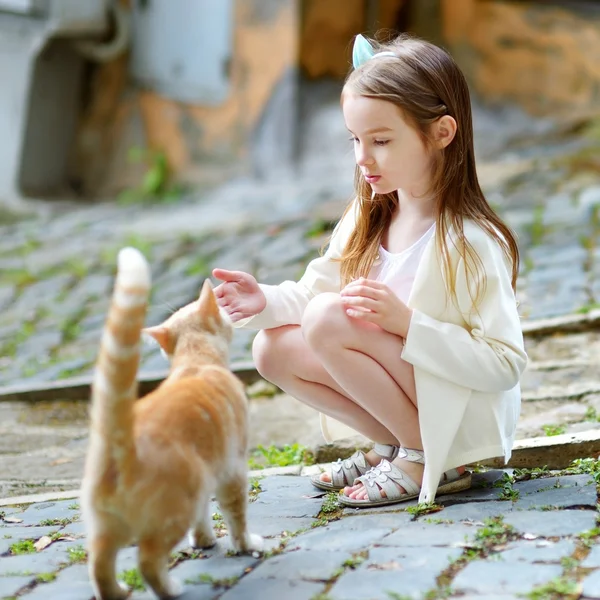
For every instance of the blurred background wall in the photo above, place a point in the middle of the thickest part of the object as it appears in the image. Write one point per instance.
(100, 94)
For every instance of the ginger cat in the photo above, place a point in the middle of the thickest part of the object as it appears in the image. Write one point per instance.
(153, 464)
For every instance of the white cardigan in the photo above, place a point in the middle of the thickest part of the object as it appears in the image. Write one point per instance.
(467, 363)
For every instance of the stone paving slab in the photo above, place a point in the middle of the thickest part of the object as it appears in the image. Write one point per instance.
(460, 550)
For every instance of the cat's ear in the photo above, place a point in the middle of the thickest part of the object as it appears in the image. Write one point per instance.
(207, 303)
(161, 335)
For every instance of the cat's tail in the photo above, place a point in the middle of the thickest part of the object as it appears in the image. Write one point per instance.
(114, 388)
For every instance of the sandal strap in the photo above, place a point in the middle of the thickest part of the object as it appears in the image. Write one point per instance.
(386, 451)
(345, 471)
(411, 455)
(387, 477)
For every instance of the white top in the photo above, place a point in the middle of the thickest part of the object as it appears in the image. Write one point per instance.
(398, 270)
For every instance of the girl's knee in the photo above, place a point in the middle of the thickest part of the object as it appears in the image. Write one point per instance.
(323, 320)
(264, 351)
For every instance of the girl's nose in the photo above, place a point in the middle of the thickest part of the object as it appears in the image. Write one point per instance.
(362, 157)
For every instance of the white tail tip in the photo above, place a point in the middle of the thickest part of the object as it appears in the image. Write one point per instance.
(133, 268)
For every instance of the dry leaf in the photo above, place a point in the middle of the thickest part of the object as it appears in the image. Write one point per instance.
(42, 543)
(65, 538)
(60, 461)
(12, 520)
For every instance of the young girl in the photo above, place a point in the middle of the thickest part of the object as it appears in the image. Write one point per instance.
(406, 330)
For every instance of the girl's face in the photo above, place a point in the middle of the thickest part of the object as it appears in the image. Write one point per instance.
(390, 153)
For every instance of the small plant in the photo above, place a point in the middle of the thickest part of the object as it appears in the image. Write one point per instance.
(133, 579)
(216, 583)
(439, 521)
(255, 488)
(591, 415)
(22, 547)
(527, 474)
(77, 554)
(536, 227)
(557, 589)
(508, 492)
(155, 184)
(423, 508)
(319, 523)
(198, 267)
(588, 537)
(354, 561)
(569, 563)
(74, 506)
(584, 466)
(330, 503)
(551, 430)
(319, 227)
(46, 577)
(293, 454)
(61, 522)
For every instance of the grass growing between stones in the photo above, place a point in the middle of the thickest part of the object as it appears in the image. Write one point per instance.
(551, 430)
(22, 547)
(557, 589)
(506, 484)
(489, 539)
(273, 456)
(61, 522)
(226, 582)
(133, 579)
(255, 488)
(356, 559)
(423, 508)
(77, 554)
(331, 509)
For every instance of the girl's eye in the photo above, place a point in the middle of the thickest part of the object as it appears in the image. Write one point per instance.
(381, 142)
(353, 139)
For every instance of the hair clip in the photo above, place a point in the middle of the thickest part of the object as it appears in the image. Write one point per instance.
(362, 51)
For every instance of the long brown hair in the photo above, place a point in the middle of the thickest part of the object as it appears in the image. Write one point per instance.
(425, 83)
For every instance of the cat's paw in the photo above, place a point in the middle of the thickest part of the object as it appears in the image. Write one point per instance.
(256, 542)
(174, 588)
(250, 544)
(201, 542)
(118, 591)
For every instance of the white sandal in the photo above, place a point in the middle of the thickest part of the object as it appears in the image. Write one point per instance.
(344, 472)
(387, 477)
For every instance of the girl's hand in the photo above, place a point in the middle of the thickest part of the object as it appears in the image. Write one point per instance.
(373, 301)
(239, 294)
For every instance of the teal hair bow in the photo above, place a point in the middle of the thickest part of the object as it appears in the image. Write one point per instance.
(362, 51)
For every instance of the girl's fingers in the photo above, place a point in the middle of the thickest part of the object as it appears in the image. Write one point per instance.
(236, 316)
(360, 302)
(359, 313)
(229, 276)
(361, 290)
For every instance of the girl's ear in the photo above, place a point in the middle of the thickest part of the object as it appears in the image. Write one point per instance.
(444, 130)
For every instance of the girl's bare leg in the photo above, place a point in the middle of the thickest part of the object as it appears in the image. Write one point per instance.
(349, 370)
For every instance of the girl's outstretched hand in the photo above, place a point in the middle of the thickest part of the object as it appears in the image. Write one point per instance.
(239, 294)
(373, 301)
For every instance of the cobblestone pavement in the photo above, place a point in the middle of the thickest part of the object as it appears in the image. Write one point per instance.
(502, 539)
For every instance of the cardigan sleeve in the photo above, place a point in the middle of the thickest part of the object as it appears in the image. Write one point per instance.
(286, 302)
(487, 353)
